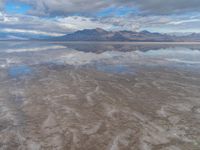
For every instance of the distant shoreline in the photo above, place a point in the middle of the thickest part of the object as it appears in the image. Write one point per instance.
(118, 42)
(107, 42)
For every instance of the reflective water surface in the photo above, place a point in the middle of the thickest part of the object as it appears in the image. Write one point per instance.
(99, 96)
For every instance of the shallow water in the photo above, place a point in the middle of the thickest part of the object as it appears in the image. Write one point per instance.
(99, 96)
(16, 71)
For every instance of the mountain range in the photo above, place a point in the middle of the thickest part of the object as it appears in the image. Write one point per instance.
(103, 35)
(99, 34)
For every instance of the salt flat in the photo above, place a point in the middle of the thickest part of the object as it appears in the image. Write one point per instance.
(99, 97)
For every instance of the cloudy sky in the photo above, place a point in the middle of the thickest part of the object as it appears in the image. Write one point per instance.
(58, 17)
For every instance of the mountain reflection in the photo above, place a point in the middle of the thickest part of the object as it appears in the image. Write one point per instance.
(91, 54)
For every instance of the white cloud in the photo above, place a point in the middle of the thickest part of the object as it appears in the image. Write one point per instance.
(32, 25)
(184, 21)
(44, 26)
(78, 23)
(29, 32)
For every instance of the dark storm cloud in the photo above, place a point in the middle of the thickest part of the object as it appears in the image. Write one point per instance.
(1, 4)
(91, 7)
(65, 7)
(165, 7)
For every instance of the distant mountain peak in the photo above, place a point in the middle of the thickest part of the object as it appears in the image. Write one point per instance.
(91, 31)
(99, 34)
(145, 32)
(100, 30)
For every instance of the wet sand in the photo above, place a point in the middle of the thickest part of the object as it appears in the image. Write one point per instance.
(57, 106)
(61, 107)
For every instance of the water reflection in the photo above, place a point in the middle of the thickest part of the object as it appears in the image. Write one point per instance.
(99, 96)
(120, 69)
(17, 71)
(118, 57)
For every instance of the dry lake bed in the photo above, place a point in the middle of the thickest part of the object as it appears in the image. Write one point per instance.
(99, 96)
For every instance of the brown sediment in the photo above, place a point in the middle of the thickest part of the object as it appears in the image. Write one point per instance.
(64, 107)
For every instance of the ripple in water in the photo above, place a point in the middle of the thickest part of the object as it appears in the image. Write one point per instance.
(17, 71)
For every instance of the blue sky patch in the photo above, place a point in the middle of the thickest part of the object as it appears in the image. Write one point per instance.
(19, 8)
(117, 11)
